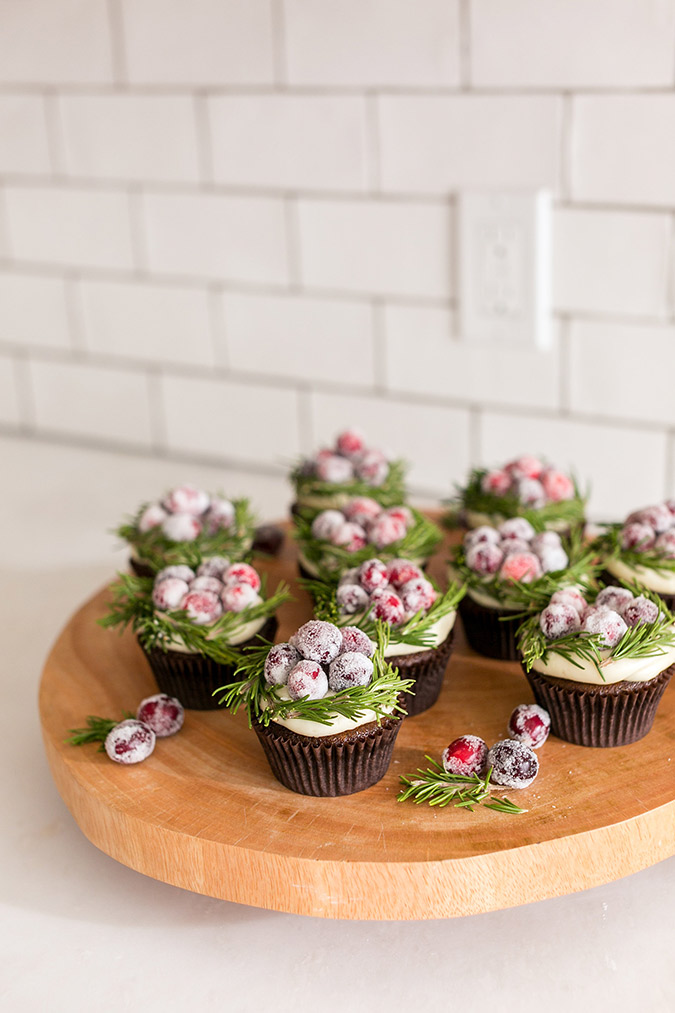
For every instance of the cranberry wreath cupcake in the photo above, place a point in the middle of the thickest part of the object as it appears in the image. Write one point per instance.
(420, 618)
(338, 540)
(599, 663)
(508, 570)
(325, 707)
(350, 468)
(193, 624)
(642, 549)
(525, 487)
(184, 526)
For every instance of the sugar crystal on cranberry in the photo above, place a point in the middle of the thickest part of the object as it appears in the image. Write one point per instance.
(385, 530)
(657, 517)
(400, 571)
(484, 558)
(546, 540)
(484, 533)
(637, 535)
(665, 544)
(373, 467)
(465, 756)
(168, 594)
(213, 566)
(202, 607)
(242, 573)
(307, 680)
(238, 597)
(350, 443)
(511, 545)
(571, 596)
(497, 482)
(403, 513)
(319, 641)
(615, 598)
(349, 669)
(516, 527)
(640, 610)
(521, 566)
(526, 466)
(386, 605)
(530, 492)
(279, 664)
(152, 517)
(130, 742)
(553, 559)
(514, 765)
(207, 584)
(163, 714)
(418, 595)
(219, 516)
(557, 486)
(179, 570)
(351, 598)
(181, 527)
(373, 573)
(559, 619)
(362, 509)
(186, 499)
(335, 469)
(354, 639)
(605, 622)
(530, 724)
(325, 523)
(349, 536)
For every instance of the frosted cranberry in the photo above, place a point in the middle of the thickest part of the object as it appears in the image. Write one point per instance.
(465, 756)
(180, 570)
(349, 669)
(279, 664)
(607, 623)
(186, 499)
(516, 527)
(497, 482)
(362, 509)
(386, 530)
(387, 605)
(558, 619)
(526, 466)
(546, 540)
(403, 513)
(670, 503)
(665, 544)
(530, 492)
(351, 598)
(530, 724)
(336, 470)
(522, 566)
(514, 765)
(351, 537)
(207, 584)
(637, 535)
(242, 573)
(307, 680)
(373, 573)
(557, 486)
(354, 639)
(401, 571)
(238, 597)
(168, 594)
(350, 576)
(553, 559)
(350, 443)
(130, 742)
(163, 714)
(319, 641)
(181, 527)
(325, 523)
(219, 516)
(202, 607)
(511, 545)
(322, 455)
(484, 533)
(418, 595)
(615, 598)
(657, 517)
(213, 566)
(570, 596)
(373, 467)
(484, 558)
(152, 517)
(640, 610)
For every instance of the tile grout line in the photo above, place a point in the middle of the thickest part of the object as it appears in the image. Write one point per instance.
(464, 45)
(118, 54)
(280, 57)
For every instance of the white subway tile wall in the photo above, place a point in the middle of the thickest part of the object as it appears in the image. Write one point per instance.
(227, 230)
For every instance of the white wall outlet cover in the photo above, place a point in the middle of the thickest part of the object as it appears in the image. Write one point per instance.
(504, 267)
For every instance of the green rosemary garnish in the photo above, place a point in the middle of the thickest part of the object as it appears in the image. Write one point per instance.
(96, 730)
(132, 605)
(608, 546)
(569, 512)
(265, 703)
(390, 493)
(438, 788)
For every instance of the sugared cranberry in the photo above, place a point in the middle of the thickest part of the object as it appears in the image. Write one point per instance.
(163, 714)
(350, 443)
(530, 492)
(526, 466)
(307, 679)
(168, 594)
(497, 482)
(349, 669)
(242, 573)
(558, 619)
(553, 559)
(484, 558)
(202, 607)
(465, 756)
(350, 576)
(484, 533)
(516, 527)
(279, 664)
(336, 470)
(373, 573)
(237, 597)
(362, 509)
(213, 566)
(387, 605)
(530, 724)
(418, 595)
(180, 570)
(386, 530)
(181, 527)
(514, 765)
(640, 610)
(219, 516)
(354, 639)
(607, 623)
(400, 571)
(546, 540)
(657, 517)
(130, 742)
(373, 468)
(511, 545)
(318, 641)
(522, 566)
(403, 513)
(186, 499)
(557, 486)
(570, 596)
(152, 517)
(325, 523)
(350, 536)
(637, 535)
(207, 584)
(665, 544)
(351, 598)
(615, 598)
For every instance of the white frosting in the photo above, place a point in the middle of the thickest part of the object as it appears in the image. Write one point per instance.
(313, 729)
(440, 631)
(621, 670)
(488, 601)
(242, 633)
(474, 519)
(656, 581)
(335, 501)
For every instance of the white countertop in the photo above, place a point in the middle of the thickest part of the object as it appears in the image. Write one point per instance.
(78, 931)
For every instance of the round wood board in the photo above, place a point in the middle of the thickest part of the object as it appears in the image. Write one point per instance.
(205, 813)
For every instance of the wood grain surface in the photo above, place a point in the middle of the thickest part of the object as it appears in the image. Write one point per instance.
(205, 813)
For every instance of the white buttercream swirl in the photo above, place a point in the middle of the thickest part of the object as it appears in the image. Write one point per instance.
(659, 581)
(620, 670)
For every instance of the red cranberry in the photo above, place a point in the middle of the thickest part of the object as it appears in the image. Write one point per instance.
(418, 595)
(354, 639)
(336, 470)
(186, 499)
(349, 536)
(202, 607)
(530, 724)
(373, 573)
(386, 530)
(553, 559)
(318, 641)
(182, 572)
(219, 516)
(546, 540)
(530, 492)
(403, 513)
(516, 527)
(484, 558)
(307, 679)
(130, 742)
(362, 509)
(279, 663)
(484, 533)
(387, 605)
(657, 517)
(238, 597)
(325, 523)
(242, 573)
(168, 594)
(558, 619)
(637, 536)
(466, 756)
(350, 443)
(214, 566)
(526, 466)
(497, 482)
(207, 584)
(557, 486)
(607, 623)
(522, 566)
(665, 544)
(615, 598)
(373, 468)
(400, 571)
(163, 714)
(350, 576)
(514, 765)
(349, 669)
(152, 517)
(640, 610)
(351, 598)
(511, 545)
(570, 596)
(181, 527)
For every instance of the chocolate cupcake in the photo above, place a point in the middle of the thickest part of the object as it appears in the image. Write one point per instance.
(526, 487)
(193, 625)
(420, 619)
(509, 570)
(186, 525)
(599, 664)
(326, 707)
(642, 550)
(350, 468)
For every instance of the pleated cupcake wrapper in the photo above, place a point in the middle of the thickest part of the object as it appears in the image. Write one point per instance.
(140, 568)
(192, 678)
(326, 769)
(603, 716)
(487, 633)
(427, 668)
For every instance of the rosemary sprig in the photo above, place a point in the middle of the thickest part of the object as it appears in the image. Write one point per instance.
(608, 546)
(96, 730)
(472, 497)
(438, 788)
(155, 549)
(390, 493)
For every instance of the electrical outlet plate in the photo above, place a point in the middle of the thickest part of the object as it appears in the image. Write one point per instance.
(505, 267)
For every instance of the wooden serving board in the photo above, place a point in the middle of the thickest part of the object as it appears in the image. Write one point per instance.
(205, 813)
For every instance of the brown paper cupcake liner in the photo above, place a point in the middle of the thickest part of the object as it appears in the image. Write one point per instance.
(333, 764)
(427, 668)
(193, 678)
(609, 715)
(487, 632)
(140, 568)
